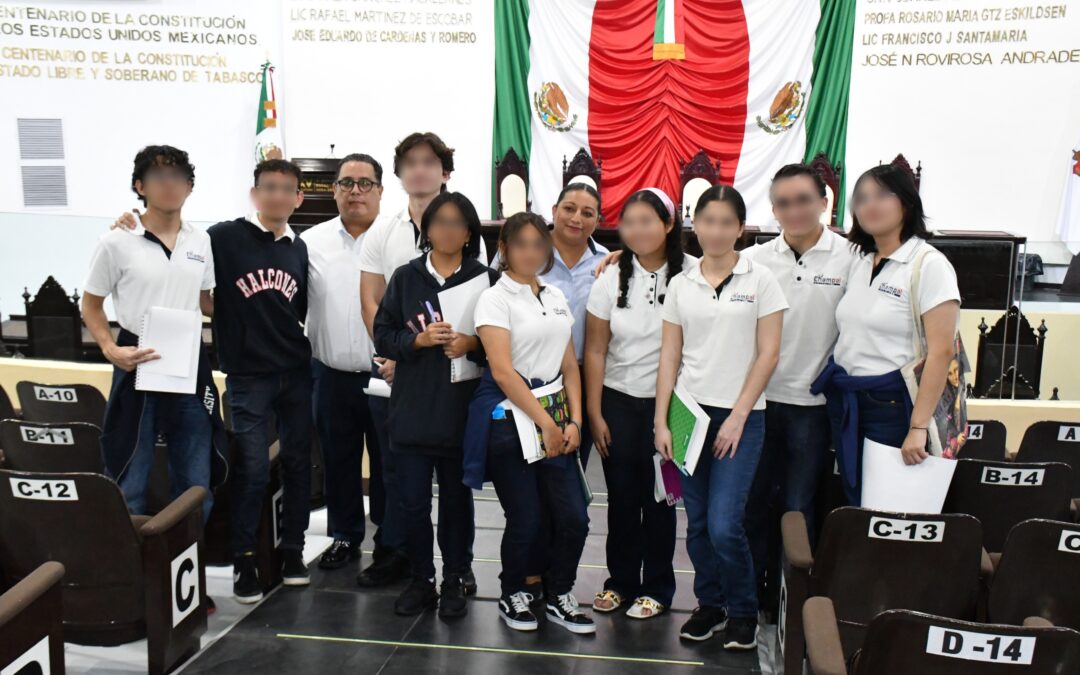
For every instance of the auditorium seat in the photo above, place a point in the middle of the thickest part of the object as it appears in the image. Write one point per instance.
(127, 578)
(31, 624)
(867, 562)
(1049, 441)
(61, 402)
(7, 411)
(1002, 494)
(985, 440)
(901, 642)
(57, 447)
(1038, 575)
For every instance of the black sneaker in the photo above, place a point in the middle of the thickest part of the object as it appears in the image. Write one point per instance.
(246, 588)
(741, 634)
(293, 570)
(452, 597)
(468, 580)
(340, 554)
(514, 611)
(703, 623)
(384, 571)
(418, 596)
(535, 592)
(563, 610)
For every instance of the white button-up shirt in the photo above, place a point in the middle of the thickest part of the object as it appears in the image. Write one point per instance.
(334, 323)
(813, 286)
(393, 241)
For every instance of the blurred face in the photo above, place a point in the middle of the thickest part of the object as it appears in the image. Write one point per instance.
(879, 211)
(357, 192)
(165, 188)
(641, 229)
(421, 171)
(717, 228)
(797, 204)
(276, 195)
(575, 217)
(448, 231)
(527, 253)
(954, 373)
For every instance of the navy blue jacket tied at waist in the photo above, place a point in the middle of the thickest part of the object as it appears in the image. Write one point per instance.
(835, 382)
(487, 396)
(120, 432)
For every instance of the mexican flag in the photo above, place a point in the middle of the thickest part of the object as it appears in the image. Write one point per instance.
(643, 85)
(268, 143)
(1069, 218)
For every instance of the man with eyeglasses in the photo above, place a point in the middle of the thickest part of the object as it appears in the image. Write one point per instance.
(811, 262)
(424, 163)
(341, 357)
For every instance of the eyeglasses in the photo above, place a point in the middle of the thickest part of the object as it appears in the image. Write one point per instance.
(347, 184)
(271, 189)
(867, 197)
(801, 201)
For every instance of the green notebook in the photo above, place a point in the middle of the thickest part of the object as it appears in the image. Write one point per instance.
(688, 424)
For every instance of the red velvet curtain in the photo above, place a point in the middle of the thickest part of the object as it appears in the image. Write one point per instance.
(646, 115)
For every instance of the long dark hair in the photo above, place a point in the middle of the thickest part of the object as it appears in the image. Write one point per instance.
(673, 244)
(722, 193)
(468, 213)
(511, 230)
(902, 184)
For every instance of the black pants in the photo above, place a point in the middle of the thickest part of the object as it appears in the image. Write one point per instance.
(343, 422)
(414, 470)
(525, 491)
(641, 530)
(252, 399)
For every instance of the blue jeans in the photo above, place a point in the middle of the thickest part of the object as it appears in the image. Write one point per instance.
(793, 461)
(253, 399)
(190, 448)
(641, 530)
(882, 417)
(715, 500)
(414, 471)
(343, 422)
(525, 492)
(384, 494)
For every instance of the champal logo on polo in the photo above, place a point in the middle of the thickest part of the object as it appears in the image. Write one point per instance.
(888, 289)
(743, 297)
(266, 280)
(823, 280)
(560, 311)
(191, 255)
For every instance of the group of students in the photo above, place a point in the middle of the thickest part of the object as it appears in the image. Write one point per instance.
(786, 346)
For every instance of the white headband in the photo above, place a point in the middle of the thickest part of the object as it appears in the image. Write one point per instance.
(665, 199)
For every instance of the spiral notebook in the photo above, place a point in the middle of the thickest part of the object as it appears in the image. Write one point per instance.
(175, 334)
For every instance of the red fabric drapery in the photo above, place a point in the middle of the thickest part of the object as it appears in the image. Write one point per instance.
(646, 115)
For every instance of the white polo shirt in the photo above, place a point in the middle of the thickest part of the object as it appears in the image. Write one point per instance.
(393, 241)
(874, 317)
(813, 286)
(138, 274)
(634, 349)
(540, 327)
(720, 332)
(334, 324)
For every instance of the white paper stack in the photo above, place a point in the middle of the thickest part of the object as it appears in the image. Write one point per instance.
(890, 485)
(174, 334)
